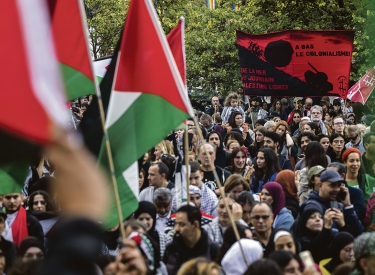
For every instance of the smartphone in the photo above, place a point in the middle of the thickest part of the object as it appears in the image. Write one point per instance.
(307, 259)
(334, 205)
(342, 195)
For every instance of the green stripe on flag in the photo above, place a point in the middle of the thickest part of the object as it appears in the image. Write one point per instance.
(76, 83)
(145, 123)
(12, 177)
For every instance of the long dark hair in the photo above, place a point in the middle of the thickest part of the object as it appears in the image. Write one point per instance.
(232, 119)
(229, 238)
(233, 155)
(255, 144)
(315, 155)
(272, 166)
(50, 205)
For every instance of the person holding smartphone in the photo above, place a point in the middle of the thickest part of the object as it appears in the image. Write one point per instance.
(333, 194)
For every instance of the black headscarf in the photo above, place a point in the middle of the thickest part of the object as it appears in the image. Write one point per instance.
(340, 240)
(149, 208)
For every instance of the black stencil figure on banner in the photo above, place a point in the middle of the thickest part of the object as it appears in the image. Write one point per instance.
(279, 53)
(318, 80)
(255, 49)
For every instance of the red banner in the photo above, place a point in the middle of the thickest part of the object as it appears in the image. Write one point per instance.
(361, 91)
(290, 63)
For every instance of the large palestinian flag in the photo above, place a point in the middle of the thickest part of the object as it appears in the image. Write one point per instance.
(148, 100)
(69, 32)
(32, 95)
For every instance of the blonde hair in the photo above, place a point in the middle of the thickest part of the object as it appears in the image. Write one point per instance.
(198, 266)
(166, 147)
(231, 142)
(230, 97)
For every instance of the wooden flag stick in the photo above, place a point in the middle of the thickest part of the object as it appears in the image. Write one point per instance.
(107, 143)
(222, 194)
(186, 157)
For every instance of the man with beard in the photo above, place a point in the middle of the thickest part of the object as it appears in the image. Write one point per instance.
(206, 122)
(334, 195)
(190, 240)
(19, 223)
(222, 157)
(272, 141)
(316, 117)
(215, 107)
(303, 140)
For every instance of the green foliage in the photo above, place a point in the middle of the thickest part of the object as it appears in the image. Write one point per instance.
(105, 20)
(212, 57)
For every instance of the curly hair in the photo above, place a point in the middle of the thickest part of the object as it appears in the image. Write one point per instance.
(282, 123)
(230, 97)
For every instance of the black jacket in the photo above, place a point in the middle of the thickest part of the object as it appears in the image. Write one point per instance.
(177, 253)
(222, 157)
(34, 227)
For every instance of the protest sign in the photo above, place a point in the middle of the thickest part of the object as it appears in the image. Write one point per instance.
(290, 63)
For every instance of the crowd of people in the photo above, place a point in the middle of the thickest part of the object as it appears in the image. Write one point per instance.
(295, 174)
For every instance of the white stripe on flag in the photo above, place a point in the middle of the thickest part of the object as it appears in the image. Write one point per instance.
(118, 104)
(42, 62)
(131, 177)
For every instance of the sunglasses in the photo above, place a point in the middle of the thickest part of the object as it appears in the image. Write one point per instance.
(354, 138)
(263, 217)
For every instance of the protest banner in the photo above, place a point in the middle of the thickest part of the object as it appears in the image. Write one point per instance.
(290, 63)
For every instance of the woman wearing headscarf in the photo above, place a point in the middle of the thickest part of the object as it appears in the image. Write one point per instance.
(229, 239)
(234, 262)
(273, 194)
(286, 179)
(341, 252)
(312, 232)
(146, 214)
(282, 239)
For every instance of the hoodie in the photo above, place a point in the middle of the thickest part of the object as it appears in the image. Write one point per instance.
(352, 223)
(222, 157)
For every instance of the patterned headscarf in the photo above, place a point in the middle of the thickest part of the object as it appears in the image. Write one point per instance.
(145, 246)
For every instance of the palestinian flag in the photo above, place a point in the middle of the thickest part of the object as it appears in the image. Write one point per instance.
(148, 100)
(32, 98)
(101, 66)
(32, 102)
(72, 49)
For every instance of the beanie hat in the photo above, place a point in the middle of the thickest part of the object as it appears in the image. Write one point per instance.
(349, 151)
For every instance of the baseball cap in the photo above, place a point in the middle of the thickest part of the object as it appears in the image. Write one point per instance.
(296, 99)
(331, 176)
(315, 170)
(256, 99)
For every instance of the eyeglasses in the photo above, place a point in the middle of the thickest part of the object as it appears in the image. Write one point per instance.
(338, 141)
(339, 123)
(296, 117)
(264, 217)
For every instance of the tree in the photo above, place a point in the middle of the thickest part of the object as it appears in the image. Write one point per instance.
(105, 20)
(212, 57)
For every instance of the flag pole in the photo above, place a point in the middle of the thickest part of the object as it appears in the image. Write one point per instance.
(186, 157)
(107, 143)
(222, 194)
